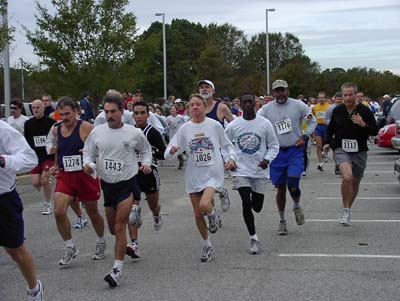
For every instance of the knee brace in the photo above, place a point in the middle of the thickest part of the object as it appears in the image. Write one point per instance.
(294, 188)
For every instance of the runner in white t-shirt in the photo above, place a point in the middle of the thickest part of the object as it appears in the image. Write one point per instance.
(256, 146)
(174, 122)
(202, 138)
(113, 146)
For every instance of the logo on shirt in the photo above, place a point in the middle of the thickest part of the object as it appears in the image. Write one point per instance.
(126, 145)
(200, 143)
(249, 143)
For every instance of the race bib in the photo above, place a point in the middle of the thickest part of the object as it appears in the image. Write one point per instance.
(321, 115)
(350, 145)
(204, 158)
(112, 166)
(72, 163)
(283, 126)
(39, 141)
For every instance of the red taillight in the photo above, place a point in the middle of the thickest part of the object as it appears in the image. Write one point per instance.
(397, 129)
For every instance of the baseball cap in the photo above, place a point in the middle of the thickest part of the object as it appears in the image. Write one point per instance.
(206, 81)
(178, 100)
(386, 96)
(279, 83)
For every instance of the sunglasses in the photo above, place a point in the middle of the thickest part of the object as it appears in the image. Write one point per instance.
(13, 108)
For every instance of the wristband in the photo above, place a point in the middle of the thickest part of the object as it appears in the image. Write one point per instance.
(2, 162)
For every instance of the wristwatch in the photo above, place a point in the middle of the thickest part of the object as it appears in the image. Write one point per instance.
(305, 137)
(2, 162)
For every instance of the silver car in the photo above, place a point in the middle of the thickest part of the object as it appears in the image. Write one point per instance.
(396, 139)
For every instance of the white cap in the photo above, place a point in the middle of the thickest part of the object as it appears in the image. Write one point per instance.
(386, 96)
(206, 81)
(178, 100)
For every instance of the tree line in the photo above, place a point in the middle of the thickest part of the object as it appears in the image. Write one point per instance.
(93, 45)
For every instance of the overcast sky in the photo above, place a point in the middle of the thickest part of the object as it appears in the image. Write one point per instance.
(334, 33)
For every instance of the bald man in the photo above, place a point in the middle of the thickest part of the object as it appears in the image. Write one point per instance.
(35, 131)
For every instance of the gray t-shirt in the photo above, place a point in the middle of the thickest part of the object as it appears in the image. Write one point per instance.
(287, 120)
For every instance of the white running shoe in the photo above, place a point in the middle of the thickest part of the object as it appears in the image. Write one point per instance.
(81, 222)
(69, 254)
(225, 201)
(46, 208)
(344, 218)
(158, 222)
(132, 250)
(113, 277)
(39, 295)
(255, 246)
(206, 255)
(99, 254)
(134, 217)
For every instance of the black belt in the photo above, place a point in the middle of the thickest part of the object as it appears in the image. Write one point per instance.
(286, 148)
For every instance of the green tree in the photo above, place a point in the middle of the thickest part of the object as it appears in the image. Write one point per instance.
(85, 45)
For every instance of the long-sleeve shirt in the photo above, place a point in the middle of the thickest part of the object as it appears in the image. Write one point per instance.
(341, 127)
(254, 141)
(17, 154)
(203, 143)
(287, 120)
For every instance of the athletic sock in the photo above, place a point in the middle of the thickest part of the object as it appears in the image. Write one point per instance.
(33, 291)
(254, 237)
(135, 241)
(100, 239)
(118, 264)
(296, 205)
(207, 242)
(282, 216)
(212, 212)
(70, 243)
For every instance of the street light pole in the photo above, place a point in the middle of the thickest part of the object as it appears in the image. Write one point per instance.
(6, 53)
(164, 53)
(267, 46)
(22, 79)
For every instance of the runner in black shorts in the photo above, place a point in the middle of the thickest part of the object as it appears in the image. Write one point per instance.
(150, 183)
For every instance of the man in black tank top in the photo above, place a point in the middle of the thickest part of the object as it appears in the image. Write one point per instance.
(221, 113)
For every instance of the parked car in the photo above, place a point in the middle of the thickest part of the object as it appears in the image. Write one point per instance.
(385, 134)
(396, 138)
(394, 111)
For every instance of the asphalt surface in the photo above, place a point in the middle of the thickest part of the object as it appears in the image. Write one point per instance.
(320, 260)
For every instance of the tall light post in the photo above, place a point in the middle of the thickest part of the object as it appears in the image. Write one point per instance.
(6, 62)
(267, 46)
(22, 79)
(164, 53)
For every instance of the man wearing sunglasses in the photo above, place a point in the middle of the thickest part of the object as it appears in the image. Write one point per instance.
(16, 119)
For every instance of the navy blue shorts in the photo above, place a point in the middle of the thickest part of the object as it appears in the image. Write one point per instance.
(11, 220)
(115, 193)
(321, 131)
(288, 163)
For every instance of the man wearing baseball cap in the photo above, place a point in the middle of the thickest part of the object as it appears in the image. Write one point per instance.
(220, 112)
(286, 115)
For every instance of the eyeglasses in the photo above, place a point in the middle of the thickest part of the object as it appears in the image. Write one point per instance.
(13, 108)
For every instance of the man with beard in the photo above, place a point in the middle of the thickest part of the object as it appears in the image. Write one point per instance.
(286, 115)
(221, 113)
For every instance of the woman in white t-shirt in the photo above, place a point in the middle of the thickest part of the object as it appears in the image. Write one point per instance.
(202, 139)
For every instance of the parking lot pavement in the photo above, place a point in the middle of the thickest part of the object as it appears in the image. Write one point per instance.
(319, 260)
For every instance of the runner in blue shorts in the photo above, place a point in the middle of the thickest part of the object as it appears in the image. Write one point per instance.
(286, 115)
(16, 156)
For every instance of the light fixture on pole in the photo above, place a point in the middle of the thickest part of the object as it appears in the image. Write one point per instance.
(164, 53)
(267, 46)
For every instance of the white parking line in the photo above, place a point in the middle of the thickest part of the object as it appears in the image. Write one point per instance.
(358, 220)
(365, 183)
(341, 255)
(380, 163)
(379, 171)
(361, 198)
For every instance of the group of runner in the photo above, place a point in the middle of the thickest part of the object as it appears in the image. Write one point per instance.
(119, 156)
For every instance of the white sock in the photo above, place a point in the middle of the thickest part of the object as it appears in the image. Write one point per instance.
(254, 237)
(100, 239)
(118, 264)
(207, 242)
(212, 212)
(70, 243)
(33, 291)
